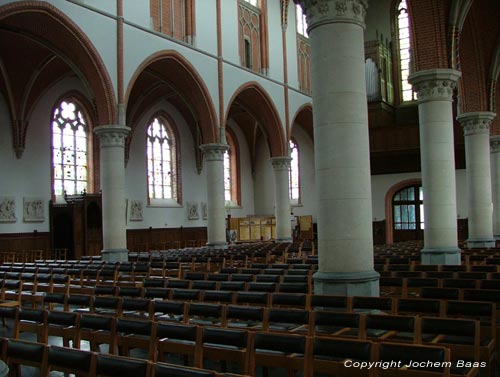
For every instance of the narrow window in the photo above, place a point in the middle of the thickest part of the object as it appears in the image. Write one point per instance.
(231, 170)
(161, 158)
(294, 179)
(403, 30)
(252, 2)
(301, 21)
(248, 53)
(69, 149)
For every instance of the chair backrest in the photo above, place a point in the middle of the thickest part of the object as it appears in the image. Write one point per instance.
(171, 370)
(119, 366)
(421, 358)
(71, 360)
(253, 298)
(331, 348)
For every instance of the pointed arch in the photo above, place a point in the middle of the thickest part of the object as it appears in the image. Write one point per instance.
(253, 98)
(71, 46)
(175, 74)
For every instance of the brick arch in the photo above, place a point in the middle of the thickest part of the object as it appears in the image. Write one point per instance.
(258, 103)
(72, 46)
(304, 117)
(389, 218)
(188, 83)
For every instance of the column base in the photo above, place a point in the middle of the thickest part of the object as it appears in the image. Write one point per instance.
(441, 255)
(364, 283)
(217, 245)
(284, 240)
(480, 243)
(115, 255)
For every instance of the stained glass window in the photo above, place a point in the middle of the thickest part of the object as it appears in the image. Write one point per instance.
(301, 21)
(403, 29)
(255, 3)
(294, 180)
(161, 160)
(227, 177)
(69, 149)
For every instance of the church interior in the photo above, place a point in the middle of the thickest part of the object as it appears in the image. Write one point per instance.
(236, 188)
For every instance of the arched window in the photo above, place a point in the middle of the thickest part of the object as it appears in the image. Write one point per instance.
(301, 21)
(231, 178)
(69, 149)
(404, 49)
(408, 209)
(162, 161)
(294, 180)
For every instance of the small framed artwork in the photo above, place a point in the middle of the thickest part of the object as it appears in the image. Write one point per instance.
(192, 209)
(136, 210)
(7, 209)
(204, 210)
(33, 210)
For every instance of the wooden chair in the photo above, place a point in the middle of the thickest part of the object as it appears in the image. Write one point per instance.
(252, 298)
(179, 339)
(171, 370)
(140, 308)
(33, 321)
(331, 356)
(411, 360)
(206, 314)
(286, 320)
(337, 324)
(17, 352)
(368, 303)
(64, 325)
(133, 334)
(287, 351)
(77, 362)
(330, 303)
(172, 311)
(461, 336)
(245, 316)
(227, 345)
(120, 366)
(98, 330)
(218, 296)
(392, 328)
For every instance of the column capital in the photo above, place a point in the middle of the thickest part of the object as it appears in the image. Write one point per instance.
(495, 144)
(214, 151)
(113, 135)
(319, 12)
(475, 123)
(434, 84)
(281, 163)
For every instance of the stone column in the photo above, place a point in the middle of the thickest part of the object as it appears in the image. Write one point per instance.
(437, 154)
(112, 155)
(341, 148)
(477, 156)
(281, 167)
(213, 155)
(495, 185)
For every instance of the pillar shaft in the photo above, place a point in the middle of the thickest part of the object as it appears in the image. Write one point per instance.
(495, 185)
(477, 138)
(435, 90)
(213, 155)
(341, 147)
(281, 167)
(112, 156)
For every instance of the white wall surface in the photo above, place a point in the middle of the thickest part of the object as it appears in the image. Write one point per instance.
(30, 176)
